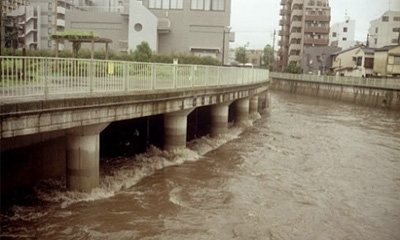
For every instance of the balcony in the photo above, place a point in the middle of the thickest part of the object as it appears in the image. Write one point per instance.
(297, 12)
(283, 32)
(284, 12)
(316, 30)
(315, 41)
(60, 22)
(164, 25)
(284, 43)
(284, 22)
(319, 18)
(60, 10)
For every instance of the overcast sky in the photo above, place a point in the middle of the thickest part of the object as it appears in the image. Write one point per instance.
(254, 21)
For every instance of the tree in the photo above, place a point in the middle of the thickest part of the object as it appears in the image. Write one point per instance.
(240, 55)
(143, 52)
(293, 68)
(268, 57)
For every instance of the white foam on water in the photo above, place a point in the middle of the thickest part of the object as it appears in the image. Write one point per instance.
(123, 173)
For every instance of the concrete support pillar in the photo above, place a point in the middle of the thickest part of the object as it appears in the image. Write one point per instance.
(253, 104)
(242, 110)
(83, 157)
(175, 127)
(219, 118)
(263, 101)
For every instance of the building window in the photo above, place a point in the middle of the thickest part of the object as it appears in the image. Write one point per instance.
(394, 40)
(359, 61)
(344, 39)
(385, 19)
(49, 44)
(50, 18)
(396, 19)
(376, 41)
(334, 34)
(176, 4)
(369, 63)
(213, 5)
(345, 29)
(396, 61)
(49, 31)
(166, 4)
(50, 6)
(396, 29)
(376, 30)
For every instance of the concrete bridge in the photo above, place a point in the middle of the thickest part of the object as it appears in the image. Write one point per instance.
(53, 110)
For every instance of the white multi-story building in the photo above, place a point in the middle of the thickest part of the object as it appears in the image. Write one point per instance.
(342, 34)
(37, 20)
(385, 30)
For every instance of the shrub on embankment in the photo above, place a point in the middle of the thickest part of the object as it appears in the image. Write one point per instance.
(118, 56)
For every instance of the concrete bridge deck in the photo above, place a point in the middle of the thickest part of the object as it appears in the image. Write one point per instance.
(53, 110)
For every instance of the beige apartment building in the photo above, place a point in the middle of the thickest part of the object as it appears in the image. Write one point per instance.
(304, 23)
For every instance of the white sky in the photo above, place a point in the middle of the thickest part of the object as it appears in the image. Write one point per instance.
(254, 21)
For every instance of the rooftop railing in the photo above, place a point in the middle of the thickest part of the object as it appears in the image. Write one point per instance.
(35, 76)
(387, 83)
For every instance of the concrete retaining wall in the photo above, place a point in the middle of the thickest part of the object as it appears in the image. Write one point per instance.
(384, 98)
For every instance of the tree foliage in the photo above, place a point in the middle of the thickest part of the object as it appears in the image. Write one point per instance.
(293, 67)
(143, 52)
(240, 55)
(268, 57)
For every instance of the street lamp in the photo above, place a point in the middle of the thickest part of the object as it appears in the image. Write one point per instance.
(223, 44)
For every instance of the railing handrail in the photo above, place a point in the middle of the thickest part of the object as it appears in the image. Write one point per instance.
(387, 83)
(44, 76)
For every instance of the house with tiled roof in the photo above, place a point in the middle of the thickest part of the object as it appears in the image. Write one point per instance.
(354, 62)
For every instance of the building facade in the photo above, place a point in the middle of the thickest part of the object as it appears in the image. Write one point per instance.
(387, 61)
(318, 60)
(10, 5)
(37, 20)
(354, 62)
(385, 30)
(304, 23)
(197, 27)
(342, 34)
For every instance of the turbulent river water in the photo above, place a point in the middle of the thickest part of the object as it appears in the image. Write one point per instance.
(309, 169)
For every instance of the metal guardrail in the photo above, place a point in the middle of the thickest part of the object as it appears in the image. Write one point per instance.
(388, 83)
(35, 76)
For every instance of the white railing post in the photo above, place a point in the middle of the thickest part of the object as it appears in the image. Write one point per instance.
(125, 75)
(45, 68)
(91, 77)
(174, 84)
(153, 77)
(192, 75)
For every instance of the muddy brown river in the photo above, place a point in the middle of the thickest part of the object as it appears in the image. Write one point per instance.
(309, 169)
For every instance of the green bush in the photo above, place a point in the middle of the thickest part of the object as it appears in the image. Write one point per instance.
(118, 56)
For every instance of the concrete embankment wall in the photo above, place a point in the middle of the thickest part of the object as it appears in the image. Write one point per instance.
(376, 97)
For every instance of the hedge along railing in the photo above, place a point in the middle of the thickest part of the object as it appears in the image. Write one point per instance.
(30, 76)
(388, 83)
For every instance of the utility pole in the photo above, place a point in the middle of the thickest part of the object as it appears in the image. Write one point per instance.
(273, 41)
